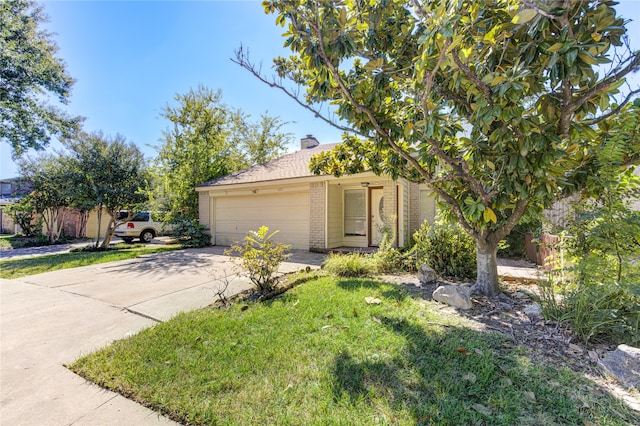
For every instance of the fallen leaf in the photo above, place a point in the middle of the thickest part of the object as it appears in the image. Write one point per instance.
(469, 377)
(463, 351)
(478, 351)
(372, 300)
(344, 327)
(530, 396)
(575, 348)
(593, 356)
(325, 327)
(481, 409)
(506, 381)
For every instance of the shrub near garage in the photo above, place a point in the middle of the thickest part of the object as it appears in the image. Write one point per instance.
(261, 257)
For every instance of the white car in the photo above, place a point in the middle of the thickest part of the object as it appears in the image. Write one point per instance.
(143, 226)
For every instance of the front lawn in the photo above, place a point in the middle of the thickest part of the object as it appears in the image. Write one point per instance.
(16, 268)
(322, 354)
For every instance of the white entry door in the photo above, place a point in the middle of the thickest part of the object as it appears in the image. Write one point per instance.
(377, 215)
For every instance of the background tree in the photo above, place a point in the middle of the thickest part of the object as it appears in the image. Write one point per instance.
(52, 190)
(207, 140)
(29, 69)
(23, 214)
(260, 142)
(110, 175)
(490, 103)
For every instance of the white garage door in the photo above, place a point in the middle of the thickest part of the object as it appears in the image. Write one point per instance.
(235, 216)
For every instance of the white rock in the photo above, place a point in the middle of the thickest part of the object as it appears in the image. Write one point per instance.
(533, 310)
(456, 296)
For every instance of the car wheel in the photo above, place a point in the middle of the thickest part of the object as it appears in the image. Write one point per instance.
(147, 235)
(127, 240)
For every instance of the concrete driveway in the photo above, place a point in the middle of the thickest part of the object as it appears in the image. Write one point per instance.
(51, 319)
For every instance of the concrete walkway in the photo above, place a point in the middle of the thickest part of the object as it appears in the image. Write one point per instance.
(51, 319)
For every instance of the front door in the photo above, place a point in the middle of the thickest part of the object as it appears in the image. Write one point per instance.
(376, 214)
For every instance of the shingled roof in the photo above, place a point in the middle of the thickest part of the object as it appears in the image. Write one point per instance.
(290, 166)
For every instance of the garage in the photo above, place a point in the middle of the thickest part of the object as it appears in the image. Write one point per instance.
(288, 212)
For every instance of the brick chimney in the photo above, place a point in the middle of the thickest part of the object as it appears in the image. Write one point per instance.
(308, 142)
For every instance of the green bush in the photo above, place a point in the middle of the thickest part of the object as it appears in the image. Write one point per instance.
(350, 264)
(447, 249)
(261, 257)
(391, 259)
(601, 291)
(190, 233)
(610, 311)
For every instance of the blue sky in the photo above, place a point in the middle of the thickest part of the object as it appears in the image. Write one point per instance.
(130, 59)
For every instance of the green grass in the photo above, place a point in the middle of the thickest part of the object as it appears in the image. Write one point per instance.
(16, 268)
(320, 355)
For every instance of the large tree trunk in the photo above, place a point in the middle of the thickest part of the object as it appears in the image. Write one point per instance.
(487, 281)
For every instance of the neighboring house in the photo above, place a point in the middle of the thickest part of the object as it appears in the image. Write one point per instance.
(557, 216)
(11, 190)
(316, 213)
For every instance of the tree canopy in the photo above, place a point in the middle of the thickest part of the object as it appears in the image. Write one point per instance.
(29, 71)
(493, 104)
(109, 174)
(208, 139)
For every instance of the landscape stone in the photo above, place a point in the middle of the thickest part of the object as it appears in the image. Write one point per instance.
(426, 274)
(454, 295)
(533, 310)
(624, 365)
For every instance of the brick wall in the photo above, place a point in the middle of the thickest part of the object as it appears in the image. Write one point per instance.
(414, 207)
(317, 215)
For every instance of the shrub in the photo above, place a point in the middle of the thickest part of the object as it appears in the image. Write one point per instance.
(600, 293)
(447, 249)
(190, 233)
(391, 259)
(350, 264)
(24, 215)
(261, 257)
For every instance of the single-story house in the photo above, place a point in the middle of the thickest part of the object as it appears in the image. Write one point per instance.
(316, 213)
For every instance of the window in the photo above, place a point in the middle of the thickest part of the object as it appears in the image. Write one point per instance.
(355, 212)
(141, 217)
(427, 206)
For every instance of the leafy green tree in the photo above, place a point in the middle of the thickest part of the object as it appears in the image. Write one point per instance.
(23, 214)
(29, 70)
(208, 140)
(605, 229)
(52, 190)
(261, 142)
(110, 175)
(490, 103)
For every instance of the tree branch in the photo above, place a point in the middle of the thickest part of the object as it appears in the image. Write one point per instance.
(473, 77)
(243, 61)
(613, 111)
(634, 65)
